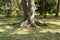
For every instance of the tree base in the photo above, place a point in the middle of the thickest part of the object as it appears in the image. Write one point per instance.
(26, 23)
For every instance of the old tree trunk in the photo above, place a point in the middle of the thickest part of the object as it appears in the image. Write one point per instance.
(29, 11)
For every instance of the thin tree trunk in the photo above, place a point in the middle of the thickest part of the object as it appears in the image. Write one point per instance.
(45, 8)
(56, 15)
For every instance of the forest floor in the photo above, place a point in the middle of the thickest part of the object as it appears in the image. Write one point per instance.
(50, 32)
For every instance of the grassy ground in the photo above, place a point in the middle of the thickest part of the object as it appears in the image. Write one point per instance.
(50, 32)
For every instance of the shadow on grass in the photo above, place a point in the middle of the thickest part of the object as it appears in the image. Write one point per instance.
(5, 32)
(13, 33)
(49, 18)
(51, 26)
(31, 35)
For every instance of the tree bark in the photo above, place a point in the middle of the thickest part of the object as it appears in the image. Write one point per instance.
(45, 8)
(29, 11)
(56, 15)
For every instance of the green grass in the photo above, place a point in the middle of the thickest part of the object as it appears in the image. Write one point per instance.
(50, 32)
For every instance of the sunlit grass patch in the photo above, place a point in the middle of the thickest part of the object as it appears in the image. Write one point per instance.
(19, 31)
(29, 34)
(2, 30)
(50, 32)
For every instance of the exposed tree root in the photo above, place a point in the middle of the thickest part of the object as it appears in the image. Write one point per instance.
(26, 23)
(40, 23)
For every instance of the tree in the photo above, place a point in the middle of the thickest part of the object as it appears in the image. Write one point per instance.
(29, 11)
(6, 6)
(40, 4)
(46, 6)
(56, 15)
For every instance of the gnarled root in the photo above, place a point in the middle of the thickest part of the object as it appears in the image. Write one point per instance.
(40, 23)
(26, 23)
